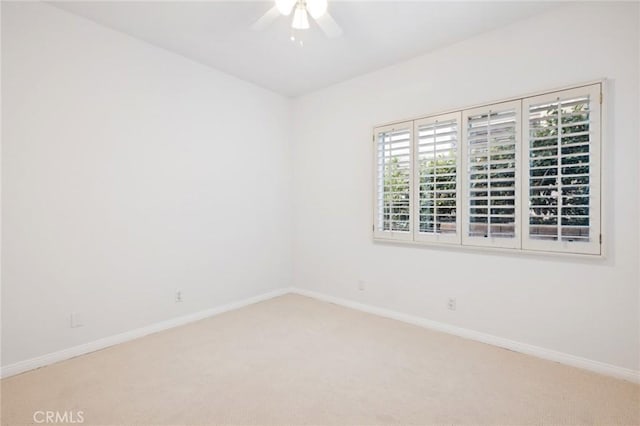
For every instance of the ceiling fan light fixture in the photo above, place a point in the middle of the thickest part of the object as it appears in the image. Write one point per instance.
(285, 6)
(301, 10)
(317, 8)
(300, 19)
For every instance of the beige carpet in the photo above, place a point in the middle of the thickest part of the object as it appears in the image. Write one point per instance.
(294, 360)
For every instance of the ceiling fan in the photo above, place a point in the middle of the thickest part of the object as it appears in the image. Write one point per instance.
(301, 10)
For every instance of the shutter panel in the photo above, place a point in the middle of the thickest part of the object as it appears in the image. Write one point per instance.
(492, 152)
(393, 169)
(562, 171)
(436, 176)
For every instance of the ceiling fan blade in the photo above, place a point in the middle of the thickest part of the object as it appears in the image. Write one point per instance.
(266, 19)
(329, 26)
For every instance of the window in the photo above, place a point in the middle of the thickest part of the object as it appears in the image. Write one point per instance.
(522, 174)
(491, 190)
(394, 164)
(437, 178)
(562, 171)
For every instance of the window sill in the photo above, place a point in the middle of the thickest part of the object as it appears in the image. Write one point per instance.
(517, 252)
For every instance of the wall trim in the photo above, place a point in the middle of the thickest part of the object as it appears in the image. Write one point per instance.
(85, 348)
(548, 354)
(537, 351)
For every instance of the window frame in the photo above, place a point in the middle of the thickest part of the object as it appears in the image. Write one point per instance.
(393, 235)
(437, 237)
(468, 240)
(593, 247)
(521, 229)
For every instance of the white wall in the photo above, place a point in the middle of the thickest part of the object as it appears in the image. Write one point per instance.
(124, 168)
(129, 172)
(587, 308)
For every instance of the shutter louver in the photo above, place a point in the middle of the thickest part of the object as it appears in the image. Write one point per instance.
(492, 135)
(437, 181)
(393, 181)
(562, 166)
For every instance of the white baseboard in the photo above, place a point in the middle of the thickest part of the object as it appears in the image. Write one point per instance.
(41, 361)
(548, 354)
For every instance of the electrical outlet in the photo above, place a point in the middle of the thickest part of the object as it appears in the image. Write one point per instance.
(178, 296)
(451, 303)
(360, 285)
(74, 320)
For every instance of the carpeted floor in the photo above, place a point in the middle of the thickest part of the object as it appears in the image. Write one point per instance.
(294, 360)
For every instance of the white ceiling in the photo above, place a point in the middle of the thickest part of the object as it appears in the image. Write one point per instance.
(376, 34)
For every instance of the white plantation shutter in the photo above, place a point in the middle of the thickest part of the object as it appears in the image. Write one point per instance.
(562, 171)
(393, 168)
(521, 174)
(437, 198)
(491, 141)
